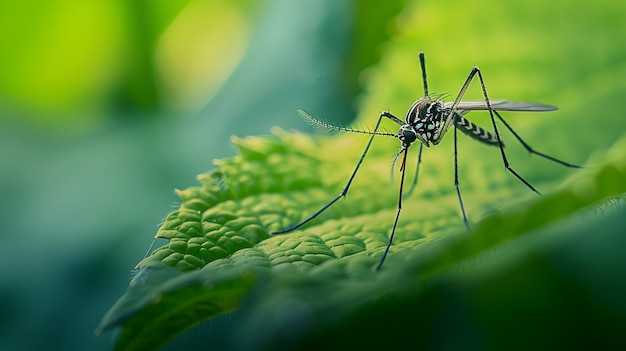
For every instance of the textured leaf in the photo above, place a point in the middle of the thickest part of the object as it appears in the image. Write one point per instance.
(219, 237)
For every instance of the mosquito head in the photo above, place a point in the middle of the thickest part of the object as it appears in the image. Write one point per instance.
(425, 117)
(407, 135)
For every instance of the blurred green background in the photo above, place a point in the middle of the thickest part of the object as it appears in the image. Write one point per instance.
(107, 106)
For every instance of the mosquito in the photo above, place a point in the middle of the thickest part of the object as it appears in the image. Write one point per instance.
(427, 121)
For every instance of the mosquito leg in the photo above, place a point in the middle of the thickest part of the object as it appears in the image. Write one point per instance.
(495, 129)
(423, 65)
(345, 189)
(450, 117)
(456, 181)
(419, 155)
(417, 171)
(530, 149)
(448, 122)
(395, 222)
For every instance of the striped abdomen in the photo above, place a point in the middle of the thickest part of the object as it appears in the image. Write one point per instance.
(474, 131)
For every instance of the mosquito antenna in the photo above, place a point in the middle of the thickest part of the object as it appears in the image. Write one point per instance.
(423, 64)
(340, 128)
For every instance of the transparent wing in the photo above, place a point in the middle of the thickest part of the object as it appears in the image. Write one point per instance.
(501, 105)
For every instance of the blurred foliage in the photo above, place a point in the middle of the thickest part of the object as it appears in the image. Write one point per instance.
(140, 55)
(103, 102)
(106, 106)
(75, 61)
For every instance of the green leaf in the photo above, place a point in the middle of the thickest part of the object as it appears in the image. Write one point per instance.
(219, 241)
(166, 300)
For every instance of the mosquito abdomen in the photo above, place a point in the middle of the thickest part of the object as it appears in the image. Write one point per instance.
(474, 131)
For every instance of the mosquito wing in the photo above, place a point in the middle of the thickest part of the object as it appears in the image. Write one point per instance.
(501, 105)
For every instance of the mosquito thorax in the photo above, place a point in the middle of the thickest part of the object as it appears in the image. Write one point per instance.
(425, 117)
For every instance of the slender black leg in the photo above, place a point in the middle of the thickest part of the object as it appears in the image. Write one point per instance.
(419, 154)
(505, 161)
(423, 65)
(450, 118)
(417, 171)
(495, 129)
(445, 126)
(456, 181)
(395, 222)
(530, 149)
(345, 189)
